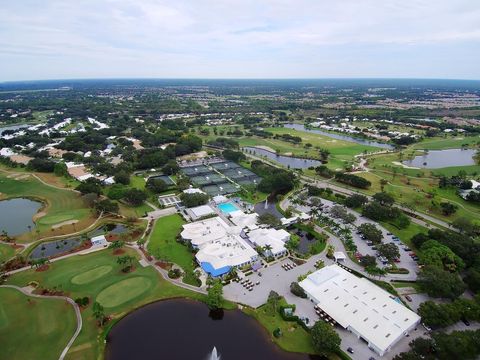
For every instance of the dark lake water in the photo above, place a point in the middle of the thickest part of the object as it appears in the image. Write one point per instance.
(333, 135)
(289, 161)
(54, 248)
(435, 159)
(16, 215)
(115, 229)
(183, 330)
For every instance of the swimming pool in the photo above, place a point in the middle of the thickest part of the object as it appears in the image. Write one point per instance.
(227, 208)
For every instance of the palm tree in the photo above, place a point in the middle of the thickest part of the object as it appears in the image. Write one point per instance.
(267, 248)
(232, 273)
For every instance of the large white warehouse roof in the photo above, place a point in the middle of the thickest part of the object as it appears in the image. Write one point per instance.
(360, 306)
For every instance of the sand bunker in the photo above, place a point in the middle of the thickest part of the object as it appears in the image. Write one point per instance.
(268, 148)
(403, 165)
(69, 222)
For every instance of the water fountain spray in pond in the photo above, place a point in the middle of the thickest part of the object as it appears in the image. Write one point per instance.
(214, 355)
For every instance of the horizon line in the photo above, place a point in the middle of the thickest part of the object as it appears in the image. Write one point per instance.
(233, 78)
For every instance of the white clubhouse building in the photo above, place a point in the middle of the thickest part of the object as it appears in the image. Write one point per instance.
(223, 245)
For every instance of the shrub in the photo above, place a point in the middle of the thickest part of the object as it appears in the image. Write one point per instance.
(297, 290)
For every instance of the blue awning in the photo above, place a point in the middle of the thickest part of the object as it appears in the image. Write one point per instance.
(214, 272)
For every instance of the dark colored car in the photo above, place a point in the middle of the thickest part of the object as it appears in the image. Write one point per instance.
(408, 298)
(350, 350)
(466, 322)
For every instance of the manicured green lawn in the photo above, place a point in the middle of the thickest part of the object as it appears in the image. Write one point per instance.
(164, 246)
(439, 143)
(118, 292)
(401, 284)
(123, 291)
(6, 252)
(137, 211)
(34, 328)
(61, 205)
(294, 339)
(416, 193)
(405, 234)
(137, 182)
(59, 218)
(337, 147)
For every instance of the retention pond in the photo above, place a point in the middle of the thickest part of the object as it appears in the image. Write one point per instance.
(16, 215)
(183, 329)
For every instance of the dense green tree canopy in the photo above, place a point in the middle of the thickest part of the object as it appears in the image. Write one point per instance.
(324, 338)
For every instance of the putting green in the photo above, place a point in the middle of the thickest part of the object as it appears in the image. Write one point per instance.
(55, 219)
(123, 291)
(91, 275)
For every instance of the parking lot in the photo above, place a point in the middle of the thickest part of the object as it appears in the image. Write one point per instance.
(276, 278)
(405, 260)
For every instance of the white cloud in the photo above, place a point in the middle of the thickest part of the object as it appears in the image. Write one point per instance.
(272, 36)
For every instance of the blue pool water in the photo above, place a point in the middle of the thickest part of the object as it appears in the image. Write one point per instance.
(227, 208)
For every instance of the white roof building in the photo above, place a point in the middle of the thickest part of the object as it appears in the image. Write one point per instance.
(109, 181)
(475, 184)
(193, 191)
(219, 199)
(339, 256)
(7, 152)
(99, 241)
(274, 238)
(220, 245)
(198, 212)
(201, 232)
(227, 252)
(360, 306)
(85, 177)
(243, 220)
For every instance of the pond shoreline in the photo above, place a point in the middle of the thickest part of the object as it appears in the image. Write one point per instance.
(261, 337)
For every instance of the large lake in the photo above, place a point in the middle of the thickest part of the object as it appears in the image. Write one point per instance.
(333, 135)
(183, 330)
(435, 159)
(16, 215)
(289, 161)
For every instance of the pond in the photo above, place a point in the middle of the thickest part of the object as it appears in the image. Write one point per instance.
(435, 159)
(54, 248)
(16, 215)
(269, 208)
(115, 229)
(289, 161)
(183, 329)
(333, 135)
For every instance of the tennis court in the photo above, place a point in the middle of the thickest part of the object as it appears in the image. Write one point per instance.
(225, 165)
(165, 178)
(206, 179)
(222, 189)
(195, 170)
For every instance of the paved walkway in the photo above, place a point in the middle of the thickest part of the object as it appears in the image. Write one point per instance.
(164, 273)
(69, 300)
(82, 252)
(153, 215)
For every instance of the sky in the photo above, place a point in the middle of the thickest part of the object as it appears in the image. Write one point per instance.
(58, 39)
